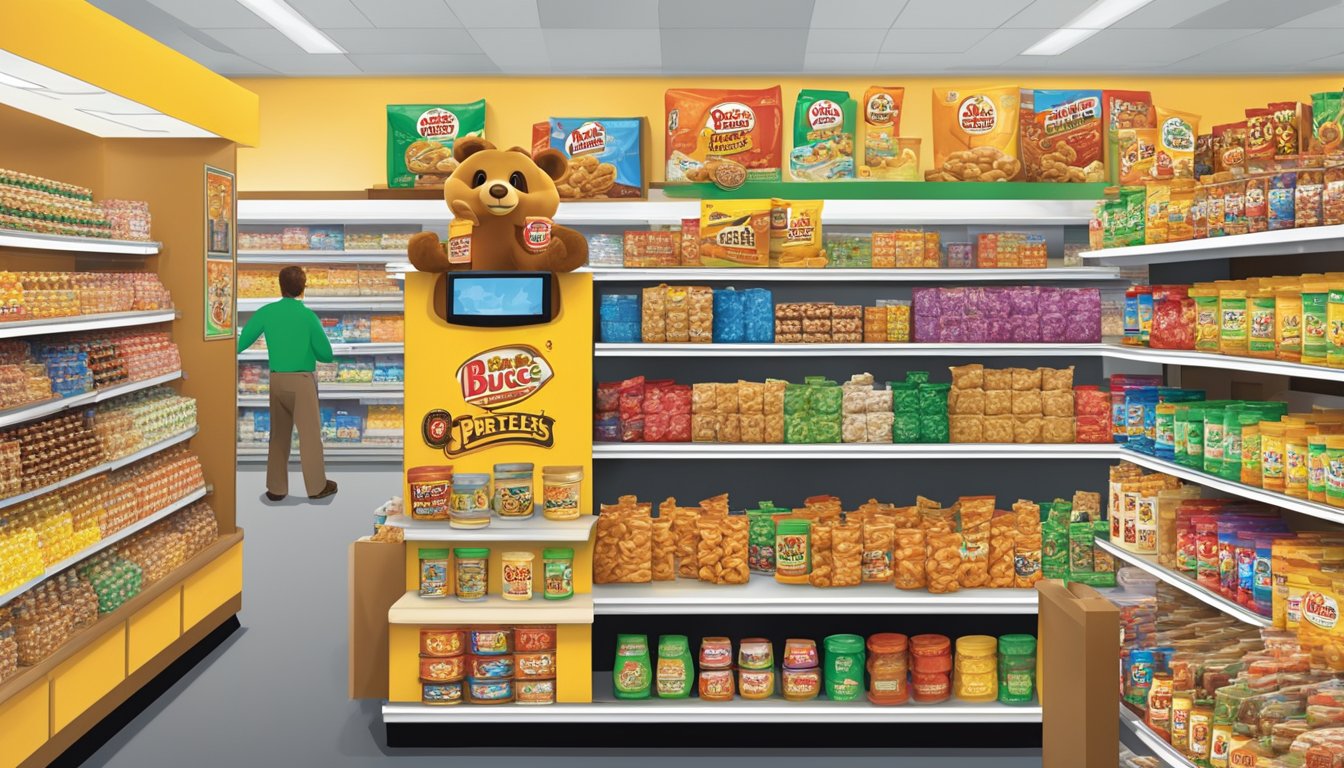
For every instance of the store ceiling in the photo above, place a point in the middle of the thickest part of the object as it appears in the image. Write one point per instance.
(715, 37)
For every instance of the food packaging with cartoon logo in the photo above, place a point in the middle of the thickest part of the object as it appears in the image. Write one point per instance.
(420, 140)
(604, 155)
(823, 136)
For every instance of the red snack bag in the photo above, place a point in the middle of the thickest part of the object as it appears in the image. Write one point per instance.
(677, 400)
(632, 398)
(679, 428)
(1173, 324)
(608, 396)
(632, 430)
(656, 426)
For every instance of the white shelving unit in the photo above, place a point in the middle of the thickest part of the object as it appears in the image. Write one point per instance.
(1222, 362)
(365, 349)
(854, 451)
(411, 608)
(355, 256)
(22, 328)
(763, 595)
(325, 391)
(1186, 585)
(391, 303)
(848, 350)
(1136, 735)
(70, 244)
(340, 453)
(1282, 242)
(1103, 275)
(535, 528)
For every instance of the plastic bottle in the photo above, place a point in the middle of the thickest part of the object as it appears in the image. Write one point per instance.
(632, 675)
(676, 670)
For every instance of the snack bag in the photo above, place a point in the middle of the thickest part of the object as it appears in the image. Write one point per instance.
(975, 135)
(1327, 123)
(1061, 136)
(823, 136)
(724, 136)
(1176, 132)
(1124, 110)
(420, 140)
(603, 152)
(1229, 150)
(880, 128)
(795, 234)
(1136, 152)
(735, 233)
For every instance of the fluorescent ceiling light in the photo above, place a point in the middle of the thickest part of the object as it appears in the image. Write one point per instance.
(16, 82)
(1097, 17)
(278, 14)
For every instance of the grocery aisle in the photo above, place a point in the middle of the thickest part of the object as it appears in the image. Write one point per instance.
(274, 693)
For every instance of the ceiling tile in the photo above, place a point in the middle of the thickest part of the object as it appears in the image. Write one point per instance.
(330, 14)
(598, 14)
(515, 51)
(1254, 14)
(734, 50)
(1047, 14)
(586, 50)
(1278, 50)
(1330, 17)
(1165, 14)
(917, 62)
(999, 46)
(1328, 64)
(254, 42)
(845, 40)
(736, 14)
(858, 63)
(212, 14)
(423, 63)
(407, 13)
(1139, 48)
(307, 64)
(385, 40)
(853, 14)
(931, 40)
(967, 14)
(496, 14)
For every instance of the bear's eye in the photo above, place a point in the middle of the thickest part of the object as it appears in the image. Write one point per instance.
(518, 181)
(478, 179)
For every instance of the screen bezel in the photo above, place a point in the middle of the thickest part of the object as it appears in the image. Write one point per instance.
(498, 321)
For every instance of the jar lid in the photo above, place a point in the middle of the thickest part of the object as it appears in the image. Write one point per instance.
(976, 644)
(929, 645)
(557, 553)
(470, 552)
(433, 554)
(753, 641)
(793, 527)
(1017, 645)
(844, 644)
(523, 467)
(471, 478)
(887, 642)
(518, 555)
(574, 470)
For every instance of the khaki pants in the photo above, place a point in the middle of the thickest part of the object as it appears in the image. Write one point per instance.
(294, 403)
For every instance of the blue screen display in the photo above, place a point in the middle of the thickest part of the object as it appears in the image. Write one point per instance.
(513, 296)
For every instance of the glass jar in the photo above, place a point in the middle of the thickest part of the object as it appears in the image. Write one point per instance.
(843, 669)
(1017, 669)
(888, 669)
(931, 661)
(517, 582)
(561, 499)
(557, 568)
(430, 489)
(930, 687)
(470, 501)
(801, 684)
(716, 653)
(756, 683)
(976, 677)
(513, 491)
(800, 653)
(716, 684)
(473, 563)
(675, 670)
(755, 653)
(433, 573)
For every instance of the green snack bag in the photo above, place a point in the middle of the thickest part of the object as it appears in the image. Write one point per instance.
(916, 377)
(825, 428)
(1315, 303)
(420, 140)
(795, 399)
(798, 429)
(826, 400)
(823, 136)
(1081, 559)
(904, 397)
(1054, 547)
(1327, 122)
(905, 428)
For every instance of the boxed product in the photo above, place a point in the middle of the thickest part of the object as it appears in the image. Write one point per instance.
(604, 155)
(735, 233)
(724, 136)
(823, 136)
(795, 234)
(975, 135)
(420, 140)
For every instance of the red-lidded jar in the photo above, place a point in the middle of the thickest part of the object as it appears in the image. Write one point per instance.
(930, 687)
(800, 654)
(716, 653)
(930, 645)
(928, 665)
(888, 669)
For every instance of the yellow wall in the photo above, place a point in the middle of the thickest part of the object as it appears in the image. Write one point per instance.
(330, 133)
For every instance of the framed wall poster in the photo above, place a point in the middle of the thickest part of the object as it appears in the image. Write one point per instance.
(220, 276)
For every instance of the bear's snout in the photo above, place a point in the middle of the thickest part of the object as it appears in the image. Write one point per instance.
(498, 191)
(499, 198)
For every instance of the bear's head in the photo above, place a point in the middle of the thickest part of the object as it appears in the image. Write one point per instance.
(504, 184)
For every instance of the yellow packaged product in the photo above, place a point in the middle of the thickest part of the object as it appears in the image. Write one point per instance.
(797, 243)
(1157, 201)
(1176, 133)
(1179, 226)
(1137, 148)
(975, 134)
(735, 233)
(1288, 320)
(885, 155)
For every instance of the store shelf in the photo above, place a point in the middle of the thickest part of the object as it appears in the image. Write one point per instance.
(1136, 735)
(1225, 362)
(133, 528)
(20, 328)
(892, 276)
(414, 609)
(58, 404)
(535, 528)
(606, 708)
(1282, 242)
(1188, 586)
(336, 453)
(890, 194)
(764, 595)
(40, 242)
(368, 256)
(319, 303)
(1283, 501)
(848, 350)
(356, 349)
(330, 391)
(715, 451)
(100, 468)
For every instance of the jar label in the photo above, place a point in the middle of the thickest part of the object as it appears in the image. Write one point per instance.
(559, 575)
(1019, 683)
(518, 579)
(671, 677)
(471, 579)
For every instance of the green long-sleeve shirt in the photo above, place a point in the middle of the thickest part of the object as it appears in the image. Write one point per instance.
(294, 336)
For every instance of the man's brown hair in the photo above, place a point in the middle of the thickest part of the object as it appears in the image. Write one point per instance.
(292, 282)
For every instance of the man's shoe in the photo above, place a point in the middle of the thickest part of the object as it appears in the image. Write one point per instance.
(330, 490)
(275, 496)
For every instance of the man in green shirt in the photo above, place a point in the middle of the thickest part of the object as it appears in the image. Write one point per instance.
(296, 344)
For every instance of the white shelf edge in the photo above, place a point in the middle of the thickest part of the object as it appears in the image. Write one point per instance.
(324, 392)
(22, 413)
(605, 274)
(330, 302)
(100, 468)
(103, 395)
(856, 451)
(755, 598)
(1223, 362)
(842, 350)
(20, 328)
(535, 528)
(1283, 501)
(333, 452)
(1136, 735)
(413, 609)
(102, 544)
(10, 238)
(354, 349)
(323, 257)
(1277, 243)
(1197, 591)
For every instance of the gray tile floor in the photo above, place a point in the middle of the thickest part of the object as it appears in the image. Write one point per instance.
(275, 692)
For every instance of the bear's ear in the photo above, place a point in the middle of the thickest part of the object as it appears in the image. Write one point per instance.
(553, 162)
(469, 146)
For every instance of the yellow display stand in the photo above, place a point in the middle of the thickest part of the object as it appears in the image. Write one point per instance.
(550, 427)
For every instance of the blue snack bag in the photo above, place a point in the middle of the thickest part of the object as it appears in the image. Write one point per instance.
(603, 152)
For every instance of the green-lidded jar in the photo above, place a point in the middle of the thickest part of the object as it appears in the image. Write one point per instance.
(433, 572)
(675, 675)
(557, 570)
(1231, 467)
(843, 667)
(1017, 669)
(793, 551)
(632, 674)
(1250, 446)
(1194, 438)
(1213, 440)
(471, 567)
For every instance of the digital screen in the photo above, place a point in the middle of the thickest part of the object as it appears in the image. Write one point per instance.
(520, 296)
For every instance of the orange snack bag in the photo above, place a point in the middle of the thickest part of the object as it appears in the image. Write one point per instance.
(709, 126)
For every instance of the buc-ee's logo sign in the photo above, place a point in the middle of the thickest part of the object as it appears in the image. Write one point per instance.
(503, 376)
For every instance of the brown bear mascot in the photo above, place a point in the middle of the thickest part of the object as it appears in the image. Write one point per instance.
(498, 190)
